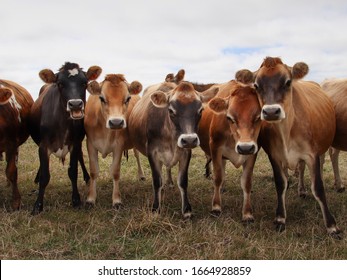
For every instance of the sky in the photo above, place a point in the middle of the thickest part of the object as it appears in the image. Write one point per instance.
(145, 40)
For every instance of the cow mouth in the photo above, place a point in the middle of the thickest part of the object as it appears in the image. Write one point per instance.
(76, 114)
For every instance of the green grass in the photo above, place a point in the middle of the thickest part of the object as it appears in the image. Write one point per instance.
(132, 232)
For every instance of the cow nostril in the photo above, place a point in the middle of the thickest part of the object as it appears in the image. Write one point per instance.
(75, 104)
(116, 123)
(245, 149)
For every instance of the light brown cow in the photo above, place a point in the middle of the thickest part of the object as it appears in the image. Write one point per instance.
(163, 127)
(15, 104)
(229, 129)
(106, 125)
(337, 91)
(299, 126)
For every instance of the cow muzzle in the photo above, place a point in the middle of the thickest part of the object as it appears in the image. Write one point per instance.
(272, 113)
(188, 141)
(116, 123)
(76, 108)
(246, 148)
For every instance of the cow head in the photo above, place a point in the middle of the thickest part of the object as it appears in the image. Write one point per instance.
(241, 110)
(184, 106)
(114, 94)
(273, 82)
(71, 82)
(5, 95)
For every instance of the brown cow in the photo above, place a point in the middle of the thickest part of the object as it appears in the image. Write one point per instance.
(106, 125)
(229, 129)
(15, 104)
(163, 126)
(337, 91)
(299, 126)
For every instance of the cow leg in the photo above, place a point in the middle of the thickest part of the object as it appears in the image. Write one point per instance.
(319, 194)
(182, 183)
(246, 185)
(44, 180)
(334, 157)
(218, 179)
(281, 182)
(94, 173)
(115, 172)
(37, 177)
(12, 176)
(156, 167)
(86, 176)
(208, 172)
(73, 174)
(140, 172)
(169, 182)
(302, 192)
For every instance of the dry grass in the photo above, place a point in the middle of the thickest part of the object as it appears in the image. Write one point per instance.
(132, 232)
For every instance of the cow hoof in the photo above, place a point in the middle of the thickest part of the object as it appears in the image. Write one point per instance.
(248, 221)
(280, 227)
(341, 190)
(37, 210)
(142, 178)
(16, 205)
(187, 216)
(215, 213)
(117, 206)
(89, 205)
(76, 203)
(303, 194)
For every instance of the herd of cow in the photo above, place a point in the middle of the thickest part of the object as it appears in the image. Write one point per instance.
(294, 121)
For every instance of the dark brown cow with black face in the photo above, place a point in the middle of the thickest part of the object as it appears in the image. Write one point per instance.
(229, 130)
(56, 122)
(106, 124)
(15, 104)
(163, 126)
(299, 126)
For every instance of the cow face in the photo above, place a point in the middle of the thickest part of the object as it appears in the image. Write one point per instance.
(72, 83)
(115, 94)
(242, 113)
(273, 82)
(184, 106)
(5, 95)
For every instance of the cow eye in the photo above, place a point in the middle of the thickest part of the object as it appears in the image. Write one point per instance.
(172, 112)
(127, 100)
(257, 119)
(200, 111)
(288, 83)
(231, 119)
(256, 86)
(102, 99)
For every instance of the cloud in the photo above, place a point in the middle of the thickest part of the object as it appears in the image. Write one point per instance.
(145, 40)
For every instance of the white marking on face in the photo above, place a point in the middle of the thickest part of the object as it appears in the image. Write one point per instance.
(250, 143)
(15, 105)
(187, 135)
(73, 72)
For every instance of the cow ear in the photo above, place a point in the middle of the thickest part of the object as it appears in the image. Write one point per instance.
(245, 76)
(93, 73)
(180, 76)
(169, 78)
(218, 105)
(5, 95)
(47, 76)
(159, 99)
(207, 95)
(94, 88)
(135, 87)
(299, 70)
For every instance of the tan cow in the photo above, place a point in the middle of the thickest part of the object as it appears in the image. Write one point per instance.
(229, 130)
(106, 125)
(163, 127)
(299, 126)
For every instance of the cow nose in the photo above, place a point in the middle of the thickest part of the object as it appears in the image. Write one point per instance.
(116, 123)
(75, 104)
(246, 148)
(188, 141)
(272, 113)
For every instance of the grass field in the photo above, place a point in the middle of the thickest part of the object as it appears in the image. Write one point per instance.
(61, 232)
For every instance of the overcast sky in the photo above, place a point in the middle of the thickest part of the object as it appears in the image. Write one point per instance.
(147, 39)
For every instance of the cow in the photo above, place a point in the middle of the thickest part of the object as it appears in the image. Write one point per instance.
(15, 104)
(298, 126)
(228, 130)
(163, 126)
(337, 91)
(106, 124)
(56, 123)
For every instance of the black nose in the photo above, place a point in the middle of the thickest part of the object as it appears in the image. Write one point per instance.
(75, 104)
(271, 113)
(189, 142)
(245, 148)
(116, 123)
